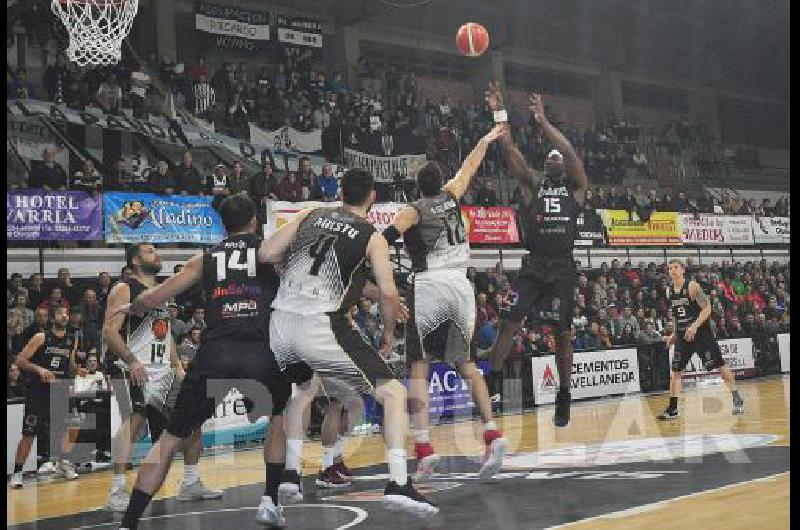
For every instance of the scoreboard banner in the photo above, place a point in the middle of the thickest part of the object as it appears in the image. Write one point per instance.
(624, 228)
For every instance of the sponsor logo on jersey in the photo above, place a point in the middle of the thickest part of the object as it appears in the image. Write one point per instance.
(236, 289)
(237, 308)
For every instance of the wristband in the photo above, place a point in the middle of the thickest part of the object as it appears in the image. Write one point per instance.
(500, 116)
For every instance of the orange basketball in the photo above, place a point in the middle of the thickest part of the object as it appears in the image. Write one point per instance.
(472, 39)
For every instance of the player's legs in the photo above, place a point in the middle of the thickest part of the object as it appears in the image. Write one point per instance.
(333, 474)
(23, 451)
(680, 358)
(564, 365)
(714, 360)
(418, 410)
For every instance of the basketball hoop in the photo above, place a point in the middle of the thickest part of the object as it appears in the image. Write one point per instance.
(96, 28)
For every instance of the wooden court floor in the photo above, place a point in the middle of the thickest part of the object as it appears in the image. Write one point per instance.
(760, 503)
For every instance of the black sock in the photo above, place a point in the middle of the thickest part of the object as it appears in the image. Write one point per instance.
(18, 467)
(274, 473)
(673, 403)
(136, 506)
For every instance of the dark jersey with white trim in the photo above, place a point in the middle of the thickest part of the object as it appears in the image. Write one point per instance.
(53, 355)
(239, 290)
(684, 309)
(326, 266)
(551, 222)
(439, 239)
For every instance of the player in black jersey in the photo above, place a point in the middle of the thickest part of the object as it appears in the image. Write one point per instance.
(234, 352)
(552, 203)
(692, 334)
(145, 376)
(50, 358)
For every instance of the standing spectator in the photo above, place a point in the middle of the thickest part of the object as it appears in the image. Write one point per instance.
(109, 95)
(19, 87)
(92, 317)
(205, 97)
(71, 292)
(56, 80)
(48, 175)
(35, 293)
(88, 179)
(198, 69)
(16, 383)
(237, 180)
(188, 178)
(681, 202)
(486, 195)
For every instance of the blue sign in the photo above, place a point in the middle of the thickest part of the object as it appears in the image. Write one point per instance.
(151, 218)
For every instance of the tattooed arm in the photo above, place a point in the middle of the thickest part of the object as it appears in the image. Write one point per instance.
(696, 293)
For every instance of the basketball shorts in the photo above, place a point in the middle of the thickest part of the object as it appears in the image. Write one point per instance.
(704, 344)
(538, 284)
(152, 400)
(221, 365)
(442, 317)
(329, 346)
(38, 407)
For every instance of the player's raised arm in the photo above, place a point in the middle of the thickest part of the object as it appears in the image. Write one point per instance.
(457, 186)
(273, 249)
(378, 256)
(515, 161)
(572, 164)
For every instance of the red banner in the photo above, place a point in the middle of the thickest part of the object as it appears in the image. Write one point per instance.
(490, 225)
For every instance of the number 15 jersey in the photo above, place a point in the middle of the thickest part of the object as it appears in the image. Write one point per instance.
(326, 266)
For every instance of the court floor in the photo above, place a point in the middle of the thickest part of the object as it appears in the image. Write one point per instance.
(613, 466)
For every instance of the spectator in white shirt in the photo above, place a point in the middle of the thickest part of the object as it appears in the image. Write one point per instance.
(204, 98)
(90, 379)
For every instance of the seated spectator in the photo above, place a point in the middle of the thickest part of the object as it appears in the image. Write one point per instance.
(198, 69)
(307, 180)
(238, 182)
(484, 311)
(72, 292)
(487, 333)
(178, 328)
(371, 334)
(289, 189)
(109, 95)
(626, 338)
(41, 322)
(54, 301)
(15, 387)
(649, 335)
(90, 378)
(19, 87)
(88, 179)
(48, 175)
(19, 307)
(162, 180)
(264, 184)
(605, 338)
(328, 185)
(191, 343)
(486, 195)
(119, 179)
(198, 318)
(188, 179)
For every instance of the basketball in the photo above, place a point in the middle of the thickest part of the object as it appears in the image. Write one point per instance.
(472, 39)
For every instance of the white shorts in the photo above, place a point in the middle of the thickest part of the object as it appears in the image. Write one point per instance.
(330, 347)
(442, 317)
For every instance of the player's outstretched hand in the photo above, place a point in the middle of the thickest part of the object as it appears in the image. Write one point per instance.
(496, 132)
(138, 373)
(493, 97)
(537, 107)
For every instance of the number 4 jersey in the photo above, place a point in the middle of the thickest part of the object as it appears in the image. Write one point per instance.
(325, 267)
(439, 239)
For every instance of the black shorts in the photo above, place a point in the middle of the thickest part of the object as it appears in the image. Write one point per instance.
(130, 400)
(223, 364)
(543, 280)
(40, 402)
(706, 347)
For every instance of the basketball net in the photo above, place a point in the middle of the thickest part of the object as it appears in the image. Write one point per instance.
(96, 28)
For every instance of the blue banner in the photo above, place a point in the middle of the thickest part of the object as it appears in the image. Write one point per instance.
(151, 218)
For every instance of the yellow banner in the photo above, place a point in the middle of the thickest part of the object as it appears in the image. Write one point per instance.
(623, 228)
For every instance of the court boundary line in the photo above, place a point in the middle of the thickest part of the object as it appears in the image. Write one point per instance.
(660, 504)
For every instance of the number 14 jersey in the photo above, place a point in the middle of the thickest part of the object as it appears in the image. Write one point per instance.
(325, 268)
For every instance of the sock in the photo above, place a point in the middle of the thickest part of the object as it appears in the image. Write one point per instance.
(118, 481)
(294, 452)
(274, 472)
(421, 436)
(18, 467)
(489, 426)
(338, 448)
(191, 474)
(327, 457)
(673, 403)
(136, 506)
(398, 472)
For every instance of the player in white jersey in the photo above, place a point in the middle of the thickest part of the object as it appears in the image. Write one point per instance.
(443, 306)
(146, 376)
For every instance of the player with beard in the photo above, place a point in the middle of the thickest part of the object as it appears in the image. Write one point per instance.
(145, 376)
(442, 318)
(552, 204)
(234, 353)
(50, 357)
(691, 334)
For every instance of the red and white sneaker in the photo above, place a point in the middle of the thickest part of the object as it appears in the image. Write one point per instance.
(427, 459)
(330, 478)
(343, 470)
(496, 448)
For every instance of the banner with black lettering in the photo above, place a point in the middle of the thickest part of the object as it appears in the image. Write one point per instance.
(288, 139)
(299, 31)
(771, 230)
(233, 27)
(738, 353)
(594, 374)
(385, 168)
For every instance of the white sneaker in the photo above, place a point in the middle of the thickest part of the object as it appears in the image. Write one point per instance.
(197, 491)
(270, 515)
(66, 469)
(118, 500)
(47, 468)
(16, 481)
(494, 458)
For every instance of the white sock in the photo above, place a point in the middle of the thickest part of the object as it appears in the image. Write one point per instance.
(118, 481)
(490, 426)
(327, 457)
(338, 448)
(191, 474)
(398, 471)
(421, 436)
(294, 452)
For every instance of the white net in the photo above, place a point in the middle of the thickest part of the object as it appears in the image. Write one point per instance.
(96, 28)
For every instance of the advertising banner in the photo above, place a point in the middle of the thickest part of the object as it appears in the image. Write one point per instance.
(663, 228)
(48, 215)
(707, 229)
(449, 394)
(385, 168)
(738, 353)
(771, 230)
(146, 217)
(783, 351)
(232, 27)
(300, 31)
(594, 374)
(288, 139)
(281, 212)
(495, 224)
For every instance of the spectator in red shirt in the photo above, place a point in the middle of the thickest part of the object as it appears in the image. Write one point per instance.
(484, 311)
(198, 69)
(289, 189)
(54, 301)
